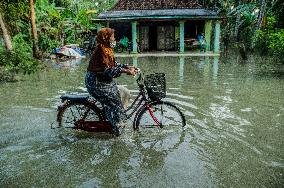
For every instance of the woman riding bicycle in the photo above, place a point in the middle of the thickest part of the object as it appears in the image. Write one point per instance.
(100, 76)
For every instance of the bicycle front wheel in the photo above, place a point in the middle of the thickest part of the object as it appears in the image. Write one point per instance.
(159, 114)
(70, 115)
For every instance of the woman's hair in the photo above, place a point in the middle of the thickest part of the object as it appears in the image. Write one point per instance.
(104, 35)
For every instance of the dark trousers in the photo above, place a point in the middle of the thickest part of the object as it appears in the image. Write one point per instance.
(108, 95)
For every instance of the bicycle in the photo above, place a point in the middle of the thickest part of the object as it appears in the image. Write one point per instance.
(84, 112)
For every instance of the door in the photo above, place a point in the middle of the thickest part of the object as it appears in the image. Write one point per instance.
(144, 38)
(165, 38)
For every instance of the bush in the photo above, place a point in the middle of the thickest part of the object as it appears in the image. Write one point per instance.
(20, 60)
(270, 40)
(276, 43)
(260, 42)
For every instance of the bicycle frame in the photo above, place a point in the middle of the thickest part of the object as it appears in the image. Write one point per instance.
(140, 102)
(137, 108)
(103, 124)
(146, 104)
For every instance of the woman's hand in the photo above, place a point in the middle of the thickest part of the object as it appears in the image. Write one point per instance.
(132, 71)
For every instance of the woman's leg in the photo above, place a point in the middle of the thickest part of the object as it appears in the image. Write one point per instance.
(108, 95)
(113, 109)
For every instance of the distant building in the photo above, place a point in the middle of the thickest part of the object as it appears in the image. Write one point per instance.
(162, 25)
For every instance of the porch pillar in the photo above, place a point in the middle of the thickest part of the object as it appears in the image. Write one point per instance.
(99, 27)
(181, 36)
(208, 30)
(134, 36)
(217, 37)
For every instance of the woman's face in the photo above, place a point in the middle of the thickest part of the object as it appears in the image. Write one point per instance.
(112, 42)
(112, 37)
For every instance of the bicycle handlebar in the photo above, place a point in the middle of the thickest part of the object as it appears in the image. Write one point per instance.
(140, 78)
(139, 72)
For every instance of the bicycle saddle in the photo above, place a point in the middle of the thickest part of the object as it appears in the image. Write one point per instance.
(74, 97)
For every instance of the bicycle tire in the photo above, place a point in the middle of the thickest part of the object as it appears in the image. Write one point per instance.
(72, 112)
(167, 114)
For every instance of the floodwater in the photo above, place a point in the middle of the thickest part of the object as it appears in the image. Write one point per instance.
(233, 137)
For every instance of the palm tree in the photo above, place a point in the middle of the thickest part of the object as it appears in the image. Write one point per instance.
(7, 38)
(34, 30)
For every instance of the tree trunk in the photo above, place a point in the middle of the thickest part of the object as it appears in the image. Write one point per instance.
(7, 38)
(237, 24)
(261, 14)
(34, 30)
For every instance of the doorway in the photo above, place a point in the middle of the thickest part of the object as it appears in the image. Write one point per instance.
(153, 37)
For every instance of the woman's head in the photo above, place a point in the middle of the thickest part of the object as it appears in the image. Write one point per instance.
(105, 36)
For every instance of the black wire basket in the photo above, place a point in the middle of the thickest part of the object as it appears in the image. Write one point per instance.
(156, 86)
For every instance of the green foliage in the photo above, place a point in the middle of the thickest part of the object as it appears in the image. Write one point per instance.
(19, 60)
(240, 23)
(58, 22)
(276, 8)
(276, 44)
(270, 40)
(260, 42)
(16, 13)
(20, 44)
(63, 25)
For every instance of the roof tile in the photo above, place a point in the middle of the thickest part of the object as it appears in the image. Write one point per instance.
(155, 4)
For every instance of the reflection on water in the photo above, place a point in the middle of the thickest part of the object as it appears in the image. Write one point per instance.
(71, 63)
(233, 137)
(181, 68)
(215, 67)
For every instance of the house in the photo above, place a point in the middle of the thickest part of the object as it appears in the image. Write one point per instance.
(162, 25)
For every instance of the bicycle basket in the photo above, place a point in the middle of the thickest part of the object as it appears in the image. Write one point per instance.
(156, 86)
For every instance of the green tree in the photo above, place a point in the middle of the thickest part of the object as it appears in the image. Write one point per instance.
(6, 36)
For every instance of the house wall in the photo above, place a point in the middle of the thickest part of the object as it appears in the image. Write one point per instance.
(121, 29)
(160, 35)
(193, 27)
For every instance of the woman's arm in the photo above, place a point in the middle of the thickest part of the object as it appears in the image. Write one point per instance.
(116, 71)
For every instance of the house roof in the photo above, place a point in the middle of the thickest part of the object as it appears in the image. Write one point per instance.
(157, 9)
(158, 14)
(155, 4)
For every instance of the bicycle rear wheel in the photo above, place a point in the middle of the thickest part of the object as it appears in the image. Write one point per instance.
(165, 113)
(70, 115)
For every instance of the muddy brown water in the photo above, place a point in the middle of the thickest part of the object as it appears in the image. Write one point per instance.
(233, 137)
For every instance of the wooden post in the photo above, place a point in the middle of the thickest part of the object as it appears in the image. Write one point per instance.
(134, 37)
(181, 36)
(217, 37)
(208, 30)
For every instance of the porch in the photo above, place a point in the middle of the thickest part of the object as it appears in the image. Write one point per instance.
(169, 54)
(163, 25)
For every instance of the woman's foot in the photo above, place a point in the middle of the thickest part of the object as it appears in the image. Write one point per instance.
(116, 131)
